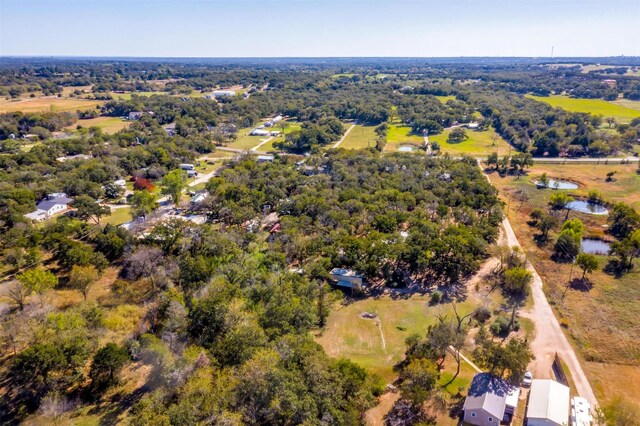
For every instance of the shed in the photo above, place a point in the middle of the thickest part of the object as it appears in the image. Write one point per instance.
(548, 403)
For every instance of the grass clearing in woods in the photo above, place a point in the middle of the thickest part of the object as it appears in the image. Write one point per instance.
(360, 137)
(478, 143)
(593, 106)
(46, 104)
(348, 335)
(108, 125)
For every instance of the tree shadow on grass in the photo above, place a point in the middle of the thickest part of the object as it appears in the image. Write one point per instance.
(581, 284)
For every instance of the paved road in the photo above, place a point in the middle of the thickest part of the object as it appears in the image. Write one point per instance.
(337, 144)
(549, 337)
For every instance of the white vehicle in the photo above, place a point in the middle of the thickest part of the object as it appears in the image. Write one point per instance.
(580, 412)
(528, 378)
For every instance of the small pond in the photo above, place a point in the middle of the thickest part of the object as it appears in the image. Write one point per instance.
(588, 208)
(594, 246)
(558, 184)
(406, 148)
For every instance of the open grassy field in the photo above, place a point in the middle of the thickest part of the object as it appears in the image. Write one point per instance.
(626, 186)
(49, 103)
(444, 99)
(118, 216)
(245, 140)
(600, 320)
(347, 335)
(627, 103)
(398, 135)
(107, 124)
(127, 96)
(594, 106)
(360, 137)
(478, 143)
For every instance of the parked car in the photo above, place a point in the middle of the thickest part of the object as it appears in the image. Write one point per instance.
(528, 378)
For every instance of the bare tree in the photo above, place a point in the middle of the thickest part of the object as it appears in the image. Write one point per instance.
(18, 293)
(56, 407)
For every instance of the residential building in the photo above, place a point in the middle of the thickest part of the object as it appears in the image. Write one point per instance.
(548, 403)
(490, 401)
(221, 94)
(259, 132)
(265, 158)
(347, 278)
(54, 204)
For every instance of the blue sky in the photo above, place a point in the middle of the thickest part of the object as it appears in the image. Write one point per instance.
(242, 28)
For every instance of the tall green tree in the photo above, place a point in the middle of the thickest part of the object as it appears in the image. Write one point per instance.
(143, 203)
(174, 183)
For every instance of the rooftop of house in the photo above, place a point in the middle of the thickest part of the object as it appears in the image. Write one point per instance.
(489, 393)
(345, 272)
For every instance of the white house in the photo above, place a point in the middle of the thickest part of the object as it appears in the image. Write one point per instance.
(221, 94)
(347, 278)
(135, 115)
(548, 403)
(272, 122)
(265, 158)
(259, 132)
(54, 204)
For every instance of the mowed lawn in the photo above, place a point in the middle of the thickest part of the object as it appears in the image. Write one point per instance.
(347, 335)
(444, 99)
(594, 106)
(398, 135)
(360, 137)
(49, 103)
(118, 216)
(107, 124)
(479, 143)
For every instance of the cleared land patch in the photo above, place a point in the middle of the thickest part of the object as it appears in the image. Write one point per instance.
(478, 143)
(444, 99)
(360, 137)
(107, 124)
(348, 335)
(593, 106)
(49, 103)
(400, 135)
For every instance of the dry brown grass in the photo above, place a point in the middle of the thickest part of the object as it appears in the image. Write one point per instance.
(601, 322)
(48, 103)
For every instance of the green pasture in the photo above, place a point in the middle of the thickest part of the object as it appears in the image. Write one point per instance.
(479, 143)
(621, 113)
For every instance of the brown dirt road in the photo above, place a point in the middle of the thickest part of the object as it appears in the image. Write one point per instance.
(549, 337)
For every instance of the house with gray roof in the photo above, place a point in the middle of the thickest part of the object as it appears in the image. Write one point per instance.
(490, 401)
(54, 204)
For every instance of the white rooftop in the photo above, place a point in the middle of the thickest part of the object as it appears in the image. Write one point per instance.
(548, 400)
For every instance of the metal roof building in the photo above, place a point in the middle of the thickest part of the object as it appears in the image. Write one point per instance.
(548, 403)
